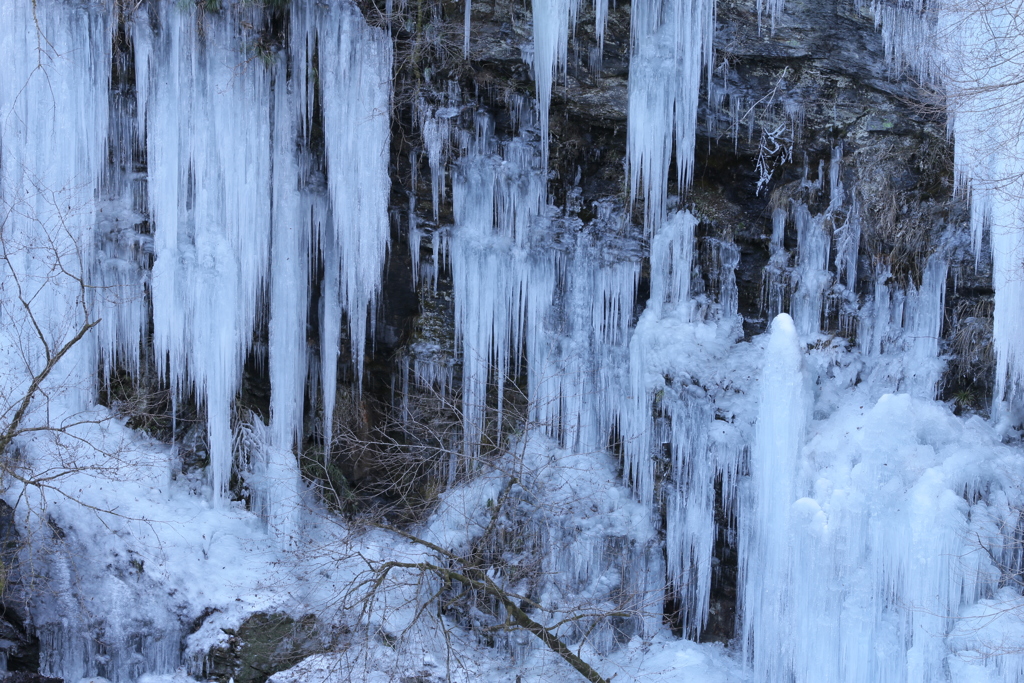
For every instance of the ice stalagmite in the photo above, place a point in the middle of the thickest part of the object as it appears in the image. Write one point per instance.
(764, 542)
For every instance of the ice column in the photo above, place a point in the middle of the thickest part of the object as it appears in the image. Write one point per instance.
(289, 302)
(764, 544)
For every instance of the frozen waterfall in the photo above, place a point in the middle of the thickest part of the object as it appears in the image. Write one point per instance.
(204, 189)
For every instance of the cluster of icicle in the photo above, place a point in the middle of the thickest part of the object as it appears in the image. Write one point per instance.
(71, 257)
(238, 216)
(537, 291)
(970, 52)
(520, 293)
(238, 219)
(671, 49)
(531, 286)
(568, 312)
(672, 42)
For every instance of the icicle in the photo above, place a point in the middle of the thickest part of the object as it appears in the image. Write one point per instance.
(415, 240)
(671, 42)
(551, 22)
(289, 276)
(211, 220)
(776, 275)
(355, 74)
(848, 247)
(955, 49)
(600, 22)
(773, 8)
(352, 229)
(211, 180)
(690, 509)
(900, 332)
(52, 152)
(436, 129)
(874, 330)
(812, 271)
(671, 264)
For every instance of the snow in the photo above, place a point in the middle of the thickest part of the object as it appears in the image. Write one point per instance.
(158, 558)
(657, 660)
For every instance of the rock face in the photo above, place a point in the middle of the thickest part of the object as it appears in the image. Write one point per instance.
(22, 677)
(263, 645)
(20, 649)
